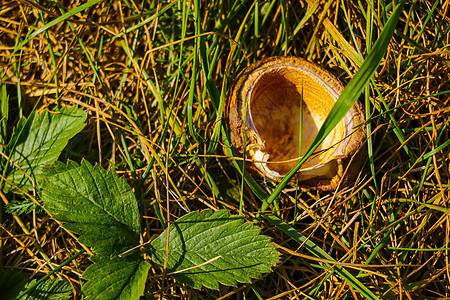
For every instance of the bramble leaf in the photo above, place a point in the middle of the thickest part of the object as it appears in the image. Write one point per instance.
(102, 208)
(94, 203)
(39, 140)
(117, 278)
(215, 248)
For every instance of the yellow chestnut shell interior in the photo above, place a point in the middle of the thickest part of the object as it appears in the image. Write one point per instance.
(270, 95)
(274, 109)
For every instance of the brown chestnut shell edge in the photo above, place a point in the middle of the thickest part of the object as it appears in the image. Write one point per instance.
(355, 156)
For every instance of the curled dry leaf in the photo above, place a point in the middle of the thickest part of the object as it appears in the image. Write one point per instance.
(272, 95)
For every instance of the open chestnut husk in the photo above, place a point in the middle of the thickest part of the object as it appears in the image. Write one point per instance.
(264, 107)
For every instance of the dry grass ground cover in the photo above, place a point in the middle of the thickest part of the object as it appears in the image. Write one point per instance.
(153, 78)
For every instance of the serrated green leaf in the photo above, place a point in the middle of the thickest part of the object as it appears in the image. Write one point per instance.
(11, 283)
(117, 278)
(92, 202)
(51, 289)
(102, 208)
(215, 248)
(38, 140)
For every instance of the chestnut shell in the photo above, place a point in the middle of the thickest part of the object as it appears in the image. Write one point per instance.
(269, 94)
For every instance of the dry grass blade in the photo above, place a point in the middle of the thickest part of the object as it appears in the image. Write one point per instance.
(157, 121)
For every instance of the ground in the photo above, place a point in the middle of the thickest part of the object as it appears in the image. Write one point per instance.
(154, 79)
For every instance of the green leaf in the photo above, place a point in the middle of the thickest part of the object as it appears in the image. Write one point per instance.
(51, 289)
(11, 283)
(102, 208)
(38, 140)
(92, 202)
(211, 247)
(117, 278)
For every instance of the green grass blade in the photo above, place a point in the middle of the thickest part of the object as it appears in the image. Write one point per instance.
(190, 101)
(213, 91)
(395, 127)
(4, 107)
(318, 252)
(251, 182)
(347, 99)
(56, 21)
(435, 150)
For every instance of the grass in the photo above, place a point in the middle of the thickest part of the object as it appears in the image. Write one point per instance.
(154, 78)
